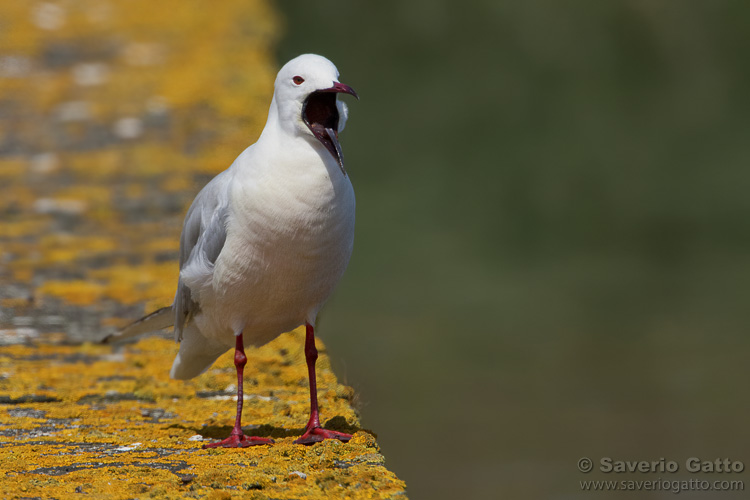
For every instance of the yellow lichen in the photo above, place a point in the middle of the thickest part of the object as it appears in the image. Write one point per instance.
(76, 292)
(12, 169)
(122, 409)
(118, 121)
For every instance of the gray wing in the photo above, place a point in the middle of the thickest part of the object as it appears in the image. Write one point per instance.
(203, 235)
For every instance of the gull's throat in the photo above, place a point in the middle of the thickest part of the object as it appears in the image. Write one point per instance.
(321, 115)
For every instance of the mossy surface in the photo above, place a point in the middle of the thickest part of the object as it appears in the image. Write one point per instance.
(113, 115)
(108, 422)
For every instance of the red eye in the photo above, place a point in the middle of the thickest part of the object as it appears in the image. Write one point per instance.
(298, 80)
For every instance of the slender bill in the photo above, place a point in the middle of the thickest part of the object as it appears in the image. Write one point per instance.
(334, 136)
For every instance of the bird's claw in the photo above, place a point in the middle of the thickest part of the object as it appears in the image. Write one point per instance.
(318, 434)
(239, 441)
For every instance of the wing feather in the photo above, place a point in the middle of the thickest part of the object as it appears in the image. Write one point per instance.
(203, 235)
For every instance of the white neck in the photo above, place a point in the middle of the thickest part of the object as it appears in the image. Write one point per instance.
(286, 136)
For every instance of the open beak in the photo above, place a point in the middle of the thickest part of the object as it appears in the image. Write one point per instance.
(342, 88)
(321, 116)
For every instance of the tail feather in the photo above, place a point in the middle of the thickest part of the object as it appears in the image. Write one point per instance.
(197, 354)
(157, 320)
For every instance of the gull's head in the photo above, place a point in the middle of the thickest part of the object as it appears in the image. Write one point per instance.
(306, 92)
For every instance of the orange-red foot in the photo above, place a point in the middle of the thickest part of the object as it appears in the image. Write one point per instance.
(239, 441)
(318, 434)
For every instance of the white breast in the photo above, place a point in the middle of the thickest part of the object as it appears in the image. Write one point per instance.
(289, 239)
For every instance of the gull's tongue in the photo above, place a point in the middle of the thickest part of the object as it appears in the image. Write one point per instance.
(339, 154)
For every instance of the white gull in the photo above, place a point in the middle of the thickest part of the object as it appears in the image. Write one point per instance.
(266, 241)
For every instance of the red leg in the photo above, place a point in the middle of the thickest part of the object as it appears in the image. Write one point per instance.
(237, 439)
(314, 432)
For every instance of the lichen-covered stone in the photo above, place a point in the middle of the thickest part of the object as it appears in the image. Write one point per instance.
(110, 423)
(112, 117)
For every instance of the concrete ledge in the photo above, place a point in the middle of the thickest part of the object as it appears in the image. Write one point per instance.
(111, 122)
(109, 423)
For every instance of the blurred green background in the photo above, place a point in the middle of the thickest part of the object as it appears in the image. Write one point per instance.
(553, 246)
